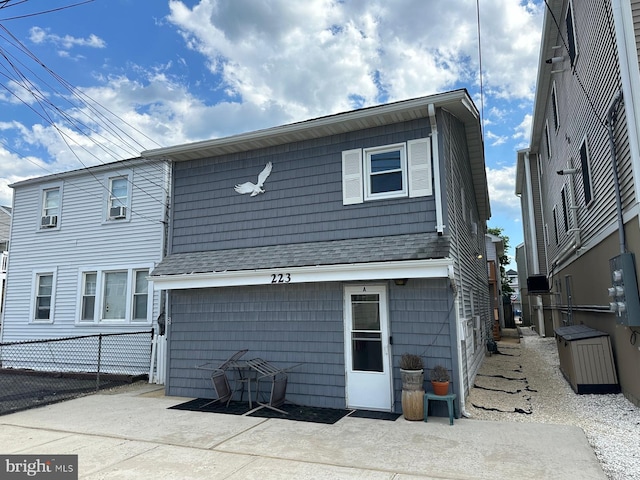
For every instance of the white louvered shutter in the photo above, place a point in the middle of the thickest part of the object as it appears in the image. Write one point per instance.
(352, 177)
(419, 162)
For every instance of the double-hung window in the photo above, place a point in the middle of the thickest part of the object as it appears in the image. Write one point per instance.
(118, 202)
(114, 296)
(388, 171)
(89, 282)
(43, 296)
(50, 214)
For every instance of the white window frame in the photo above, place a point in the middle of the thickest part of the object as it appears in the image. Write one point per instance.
(44, 189)
(99, 303)
(415, 168)
(369, 174)
(134, 293)
(82, 290)
(112, 201)
(35, 283)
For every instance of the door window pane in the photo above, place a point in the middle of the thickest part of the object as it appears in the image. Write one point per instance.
(115, 295)
(366, 337)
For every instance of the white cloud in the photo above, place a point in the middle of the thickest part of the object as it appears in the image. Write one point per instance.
(502, 184)
(317, 57)
(39, 35)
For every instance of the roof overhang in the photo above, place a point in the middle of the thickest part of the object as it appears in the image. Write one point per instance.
(457, 102)
(432, 268)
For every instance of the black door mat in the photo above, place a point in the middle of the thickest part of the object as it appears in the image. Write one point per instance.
(375, 415)
(294, 412)
(200, 405)
(303, 414)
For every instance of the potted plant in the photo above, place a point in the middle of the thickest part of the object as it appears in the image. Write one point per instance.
(412, 373)
(440, 380)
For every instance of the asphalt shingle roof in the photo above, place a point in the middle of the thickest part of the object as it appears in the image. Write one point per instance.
(361, 250)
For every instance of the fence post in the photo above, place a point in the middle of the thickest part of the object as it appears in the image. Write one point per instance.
(99, 360)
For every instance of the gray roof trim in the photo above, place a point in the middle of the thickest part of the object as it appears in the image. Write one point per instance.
(339, 252)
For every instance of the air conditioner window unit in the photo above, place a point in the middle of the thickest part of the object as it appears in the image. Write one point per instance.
(49, 221)
(118, 212)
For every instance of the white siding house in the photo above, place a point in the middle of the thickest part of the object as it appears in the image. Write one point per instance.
(82, 246)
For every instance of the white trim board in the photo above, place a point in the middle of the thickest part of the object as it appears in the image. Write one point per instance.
(314, 274)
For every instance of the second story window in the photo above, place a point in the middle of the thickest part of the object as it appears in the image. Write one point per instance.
(117, 206)
(50, 208)
(571, 35)
(388, 171)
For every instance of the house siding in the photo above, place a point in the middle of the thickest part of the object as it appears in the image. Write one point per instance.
(583, 100)
(83, 240)
(291, 324)
(467, 232)
(303, 198)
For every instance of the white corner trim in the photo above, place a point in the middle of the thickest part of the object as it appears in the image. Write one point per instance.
(317, 274)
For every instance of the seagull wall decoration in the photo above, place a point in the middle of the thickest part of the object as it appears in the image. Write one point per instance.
(255, 188)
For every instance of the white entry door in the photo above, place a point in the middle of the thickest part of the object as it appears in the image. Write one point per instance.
(367, 357)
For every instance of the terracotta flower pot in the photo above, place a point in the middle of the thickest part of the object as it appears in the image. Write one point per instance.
(440, 388)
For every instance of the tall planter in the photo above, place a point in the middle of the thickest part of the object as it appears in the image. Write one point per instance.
(412, 394)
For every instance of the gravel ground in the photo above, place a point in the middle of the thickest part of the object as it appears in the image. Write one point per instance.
(524, 384)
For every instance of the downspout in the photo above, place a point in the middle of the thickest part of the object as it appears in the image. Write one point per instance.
(612, 113)
(436, 168)
(532, 218)
(460, 335)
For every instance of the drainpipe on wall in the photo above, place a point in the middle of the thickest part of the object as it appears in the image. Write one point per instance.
(435, 147)
(612, 113)
(461, 335)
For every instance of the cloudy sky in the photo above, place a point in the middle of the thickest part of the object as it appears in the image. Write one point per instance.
(85, 82)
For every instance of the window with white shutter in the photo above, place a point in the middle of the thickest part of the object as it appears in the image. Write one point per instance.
(352, 177)
(389, 171)
(420, 178)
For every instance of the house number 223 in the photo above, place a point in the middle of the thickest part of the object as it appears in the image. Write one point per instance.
(280, 278)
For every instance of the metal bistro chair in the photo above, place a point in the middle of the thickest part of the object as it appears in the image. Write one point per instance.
(278, 377)
(219, 378)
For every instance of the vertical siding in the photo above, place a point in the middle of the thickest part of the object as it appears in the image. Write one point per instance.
(83, 240)
(303, 199)
(467, 241)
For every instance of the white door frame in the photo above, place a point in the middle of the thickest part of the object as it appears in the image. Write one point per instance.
(371, 390)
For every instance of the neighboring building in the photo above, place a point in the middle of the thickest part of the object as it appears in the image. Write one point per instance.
(514, 297)
(579, 179)
(82, 246)
(359, 242)
(5, 231)
(495, 249)
(521, 261)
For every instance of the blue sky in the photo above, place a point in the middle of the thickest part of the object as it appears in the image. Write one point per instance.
(106, 79)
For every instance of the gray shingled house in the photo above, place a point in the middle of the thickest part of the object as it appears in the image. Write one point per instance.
(339, 243)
